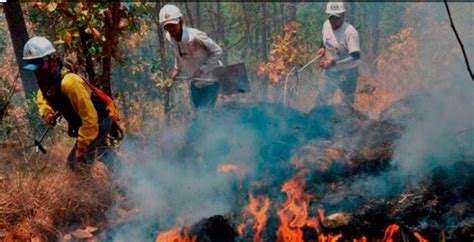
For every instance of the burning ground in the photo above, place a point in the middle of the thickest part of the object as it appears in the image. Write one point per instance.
(265, 172)
(401, 168)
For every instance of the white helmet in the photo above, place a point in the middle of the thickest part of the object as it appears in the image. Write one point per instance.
(169, 14)
(335, 8)
(37, 47)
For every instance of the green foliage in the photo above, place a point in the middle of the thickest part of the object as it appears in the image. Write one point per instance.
(72, 23)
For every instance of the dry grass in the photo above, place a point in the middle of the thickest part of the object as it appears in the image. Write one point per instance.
(39, 203)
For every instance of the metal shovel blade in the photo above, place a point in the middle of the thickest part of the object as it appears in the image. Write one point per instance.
(232, 79)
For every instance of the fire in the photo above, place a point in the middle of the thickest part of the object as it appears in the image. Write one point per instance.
(225, 168)
(329, 238)
(258, 207)
(362, 239)
(321, 214)
(175, 235)
(228, 167)
(390, 232)
(420, 238)
(294, 213)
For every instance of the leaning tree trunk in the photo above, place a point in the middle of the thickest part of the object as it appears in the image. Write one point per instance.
(19, 35)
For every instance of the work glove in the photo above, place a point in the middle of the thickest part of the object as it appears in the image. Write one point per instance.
(50, 119)
(325, 64)
(174, 74)
(80, 156)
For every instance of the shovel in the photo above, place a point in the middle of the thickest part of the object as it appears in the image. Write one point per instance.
(309, 63)
(37, 143)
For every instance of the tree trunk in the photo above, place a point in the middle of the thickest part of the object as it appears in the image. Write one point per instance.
(220, 29)
(263, 8)
(247, 35)
(375, 18)
(164, 63)
(189, 14)
(19, 36)
(198, 15)
(351, 16)
(282, 14)
(275, 24)
(85, 37)
(293, 16)
(111, 27)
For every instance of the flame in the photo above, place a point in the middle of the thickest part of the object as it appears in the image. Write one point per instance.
(228, 167)
(225, 168)
(321, 214)
(362, 239)
(175, 235)
(420, 238)
(329, 238)
(258, 207)
(390, 232)
(294, 213)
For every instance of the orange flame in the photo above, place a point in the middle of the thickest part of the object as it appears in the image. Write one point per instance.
(258, 207)
(225, 168)
(175, 235)
(321, 214)
(228, 167)
(390, 232)
(329, 238)
(362, 239)
(294, 213)
(420, 238)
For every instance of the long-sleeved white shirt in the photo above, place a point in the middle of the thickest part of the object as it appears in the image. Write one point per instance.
(196, 51)
(340, 43)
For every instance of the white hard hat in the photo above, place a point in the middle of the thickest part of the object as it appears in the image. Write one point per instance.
(169, 14)
(36, 48)
(335, 8)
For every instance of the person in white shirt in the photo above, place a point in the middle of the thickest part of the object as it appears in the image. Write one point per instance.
(195, 53)
(341, 47)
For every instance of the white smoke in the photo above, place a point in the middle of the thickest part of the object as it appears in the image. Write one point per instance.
(177, 190)
(440, 131)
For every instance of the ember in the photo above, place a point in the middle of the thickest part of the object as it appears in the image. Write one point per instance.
(329, 238)
(225, 168)
(176, 235)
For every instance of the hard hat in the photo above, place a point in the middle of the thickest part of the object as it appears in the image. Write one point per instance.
(335, 8)
(169, 14)
(35, 49)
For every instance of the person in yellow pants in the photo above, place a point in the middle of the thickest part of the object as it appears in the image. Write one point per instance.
(67, 94)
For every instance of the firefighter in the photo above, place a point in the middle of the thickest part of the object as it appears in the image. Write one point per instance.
(66, 94)
(341, 47)
(195, 53)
